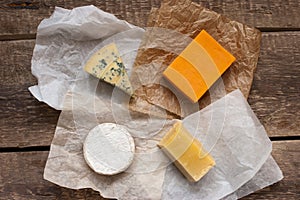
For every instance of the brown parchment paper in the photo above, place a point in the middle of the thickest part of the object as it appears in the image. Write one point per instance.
(188, 19)
(92, 102)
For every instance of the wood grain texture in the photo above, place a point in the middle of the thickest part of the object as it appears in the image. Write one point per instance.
(24, 120)
(21, 177)
(275, 92)
(15, 63)
(22, 17)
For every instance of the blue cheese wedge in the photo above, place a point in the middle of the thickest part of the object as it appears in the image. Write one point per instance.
(106, 64)
(109, 149)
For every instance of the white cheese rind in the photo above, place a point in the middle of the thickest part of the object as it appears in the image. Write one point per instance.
(109, 149)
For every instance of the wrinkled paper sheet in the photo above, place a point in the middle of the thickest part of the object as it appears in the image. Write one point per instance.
(238, 142)
(233, 135)
(63, 45)
(63, 42)
(268, 174)
(174, 24)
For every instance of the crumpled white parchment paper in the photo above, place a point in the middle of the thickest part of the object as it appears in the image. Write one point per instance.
(236, 139)
(240, 148)
(63, 42)
(268, 174)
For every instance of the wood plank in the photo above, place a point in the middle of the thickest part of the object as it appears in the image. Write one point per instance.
(15, 63)
(22, 17)
(24, 120)
(274, 96)
(275, 92)
(21, 176)
(263, 14)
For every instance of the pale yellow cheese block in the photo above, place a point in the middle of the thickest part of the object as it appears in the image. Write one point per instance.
(186, 152)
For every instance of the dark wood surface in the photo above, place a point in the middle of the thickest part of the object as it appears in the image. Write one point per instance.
(21, 176)
(27, 126)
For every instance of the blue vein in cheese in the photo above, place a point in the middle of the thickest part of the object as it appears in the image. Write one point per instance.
(106, 64)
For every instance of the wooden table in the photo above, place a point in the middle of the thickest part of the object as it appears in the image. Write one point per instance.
(27, 126)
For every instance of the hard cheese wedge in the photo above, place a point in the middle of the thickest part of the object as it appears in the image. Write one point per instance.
(186, 152)
(199, 66)
(106, 64)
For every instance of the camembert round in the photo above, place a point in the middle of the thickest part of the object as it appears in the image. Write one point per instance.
(109, 149)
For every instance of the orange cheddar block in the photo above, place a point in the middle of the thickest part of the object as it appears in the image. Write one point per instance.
(198, 66)
(186, 152)
(222, 58)
(188, 77)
